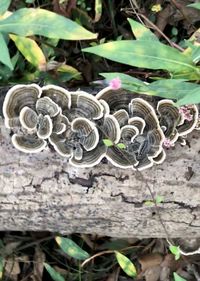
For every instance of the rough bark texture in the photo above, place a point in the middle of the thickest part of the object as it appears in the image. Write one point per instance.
(42, 192)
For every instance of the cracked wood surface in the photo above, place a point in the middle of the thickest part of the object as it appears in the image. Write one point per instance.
(42, 192)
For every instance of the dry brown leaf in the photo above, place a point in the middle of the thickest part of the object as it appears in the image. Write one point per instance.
(153, 273)
(164, 274)
(39, 259)
(9, 248)
(12, 267)
(62, 271)
(169, 261)
(150, 260)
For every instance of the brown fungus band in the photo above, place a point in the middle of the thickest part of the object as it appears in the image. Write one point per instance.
(76, 125)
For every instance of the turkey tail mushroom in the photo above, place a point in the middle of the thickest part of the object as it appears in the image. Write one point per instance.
(77, 123)
(16, 99)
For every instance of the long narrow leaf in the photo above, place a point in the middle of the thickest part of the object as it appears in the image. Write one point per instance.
(192, 97)
(71, 248)
(178, 278)
(139, 53)
(30, 50)
(56, 276)
(127, 266)
(194, 5)
(29, 21)
(4, 6)
(1, 267)
(172, 88)
(141, 32)
(4, 53)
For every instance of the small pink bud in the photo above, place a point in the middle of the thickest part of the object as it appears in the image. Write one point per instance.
(167, 143)
(185, 111)
(188, 117)
(115, 83)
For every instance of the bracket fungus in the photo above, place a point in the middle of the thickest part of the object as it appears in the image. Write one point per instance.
(76, 123)
(141, 135)
(176, 122)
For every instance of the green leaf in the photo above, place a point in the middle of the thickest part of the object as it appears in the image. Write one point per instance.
(194, 5)
(108, 142)
(175, 250)
(71, 248)
(29, 21)
(4, 6)
(178, 278)
(159, 199)
(193, 49)
(4, 53)
(192, 97)
(121, 145)
(149, 203)
(138, 53)
(30, 50)
(171, 88)
(141, 32)
(56, 276)
(1, 267)
(127, 266)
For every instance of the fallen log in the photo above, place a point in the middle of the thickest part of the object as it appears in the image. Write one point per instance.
(43, 192)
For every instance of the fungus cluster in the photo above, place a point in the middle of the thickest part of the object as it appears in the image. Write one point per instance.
(76, 124)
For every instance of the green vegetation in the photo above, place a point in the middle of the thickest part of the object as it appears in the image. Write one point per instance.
(181, 66)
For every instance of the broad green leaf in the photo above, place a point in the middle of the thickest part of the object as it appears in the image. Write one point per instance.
(56, 276)
(171, 88)
(175, 250)
(30, 21)
(127, 266)
(107, 142)
(177, 89)
(4, 6)
(1, 267)
(30, 50)
(141, 32)
(138, 53)
(194, 5)
(71, 71)
(4, 53)
(121, 145)
(71, 248)
(178, 278)
(192, 97)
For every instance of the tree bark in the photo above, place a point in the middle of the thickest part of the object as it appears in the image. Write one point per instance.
(43, 192)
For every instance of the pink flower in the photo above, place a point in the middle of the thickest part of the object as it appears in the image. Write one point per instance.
(185, 111)
(167, 143)
(115, 83)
